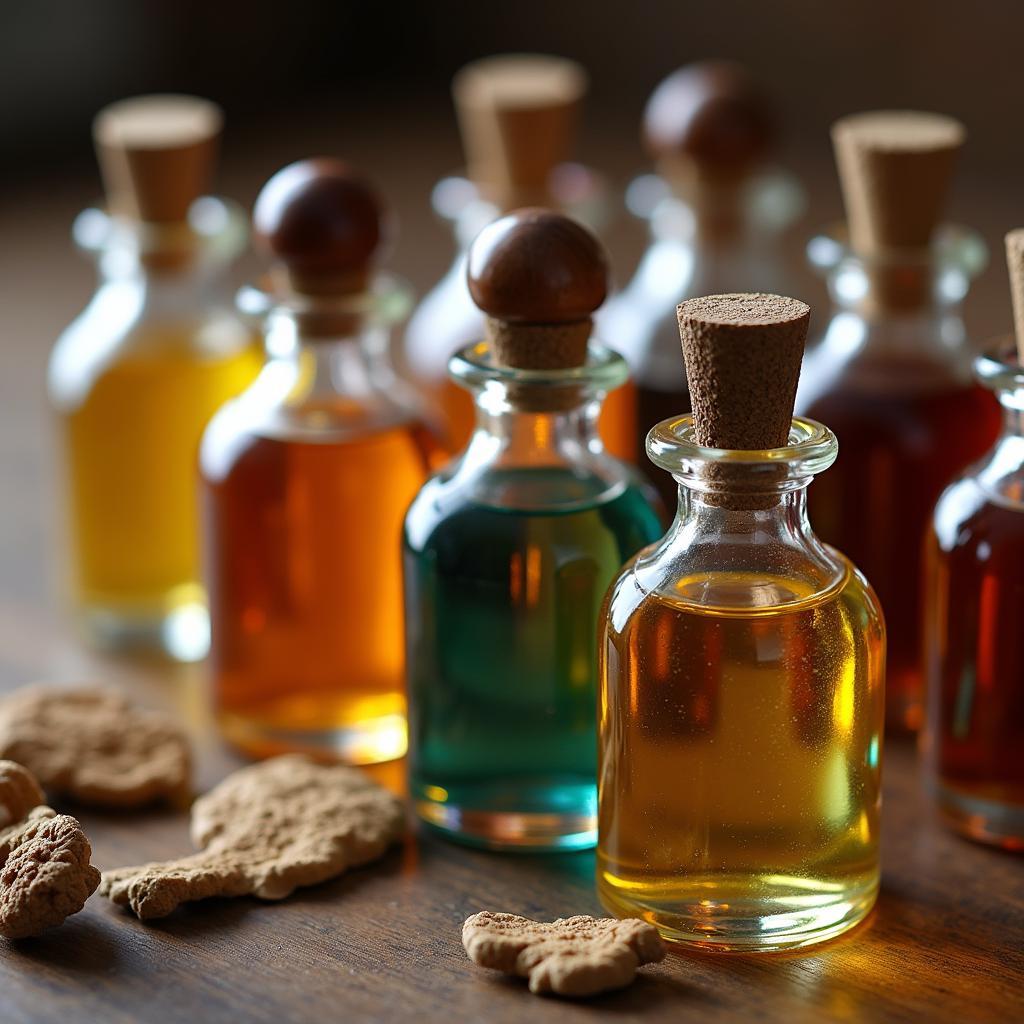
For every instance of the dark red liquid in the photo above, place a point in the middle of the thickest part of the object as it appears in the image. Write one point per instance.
(897, 453)
(652, 407)
(976, 647)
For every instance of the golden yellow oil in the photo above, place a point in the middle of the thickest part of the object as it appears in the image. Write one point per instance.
(132, 444)
(739, 758)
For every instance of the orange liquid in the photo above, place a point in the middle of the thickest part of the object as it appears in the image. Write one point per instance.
(306, 592)
(616, 424)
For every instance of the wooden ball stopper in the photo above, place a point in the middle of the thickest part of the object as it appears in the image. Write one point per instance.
(324, 223)
(895, 168)
(1015, 264)
(743, 354)
(709, 119)
(517, 115)
(156, 154)
(538, 276)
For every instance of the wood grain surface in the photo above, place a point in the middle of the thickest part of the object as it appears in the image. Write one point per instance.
(946, 942)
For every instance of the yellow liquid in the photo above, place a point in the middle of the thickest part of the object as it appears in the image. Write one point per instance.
(132, 447)
(740, 759)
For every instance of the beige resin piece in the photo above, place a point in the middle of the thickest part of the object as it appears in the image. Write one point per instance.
(574, 956)
(266, 831)
(94, 746)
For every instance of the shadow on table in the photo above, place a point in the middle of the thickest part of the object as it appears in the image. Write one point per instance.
(82, 945)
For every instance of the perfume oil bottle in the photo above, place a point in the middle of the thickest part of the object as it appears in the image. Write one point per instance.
(135, 379)
(742, 669)
(974, 650)
(517, 116)
(509, 552)
(717, 213)
(307, 477)
(892, 375)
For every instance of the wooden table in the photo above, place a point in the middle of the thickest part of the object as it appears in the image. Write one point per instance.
(945, 944)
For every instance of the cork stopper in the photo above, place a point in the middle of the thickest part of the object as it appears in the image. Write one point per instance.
(324, 223)
(1015, 264)
(895, 168)
(517, 116)
(742, 354)
(709, 120)
(539, 276)
(157, 154)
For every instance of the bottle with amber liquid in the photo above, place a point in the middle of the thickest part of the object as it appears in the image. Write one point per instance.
(974, 593)
(510, 549)
(892, 375)
(517, 116)
(307, 476)
(742, 663)
(717, 211)
(137, 376)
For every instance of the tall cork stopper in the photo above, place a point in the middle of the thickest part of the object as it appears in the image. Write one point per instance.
(1015, 264)
(326, 226)
(157, 155)
(742, 354)
(517, 116)
(895, 168)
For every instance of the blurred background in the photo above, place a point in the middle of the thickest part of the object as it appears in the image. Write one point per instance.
(370, 82)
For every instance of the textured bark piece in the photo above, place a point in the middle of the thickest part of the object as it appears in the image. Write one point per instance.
(895, 168)
(45, 874)
(574, 956)
(19, 793)
(268, 830)
(1015, 265)
(517, 116)
(157, 154)
(742, 354)
(95, 746)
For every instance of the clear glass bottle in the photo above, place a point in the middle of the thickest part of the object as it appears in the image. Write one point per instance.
(307, 476)
(974, 654)
(895, 384)
(508, 554)
(741, 710)
(510, 549)
(134, 381)
(717, 214)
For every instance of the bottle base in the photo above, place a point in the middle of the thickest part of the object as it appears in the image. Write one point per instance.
(985, 821)
(787, 913)
(527, 818)
(176, 629)
(369, 741)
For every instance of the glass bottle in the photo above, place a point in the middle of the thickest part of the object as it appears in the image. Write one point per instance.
(974, 656)
(307, 476)
(137, 376)
(892, 376)
(517, 115)
(508, 554)
(717, 219)
(741, 705)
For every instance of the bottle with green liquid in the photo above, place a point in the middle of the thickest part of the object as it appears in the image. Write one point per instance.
(509, 552)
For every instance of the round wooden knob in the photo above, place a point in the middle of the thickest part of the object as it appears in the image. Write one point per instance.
(712, 113)
(537, 267)
(324, 223)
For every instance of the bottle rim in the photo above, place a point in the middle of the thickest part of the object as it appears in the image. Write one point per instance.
(474, 366)
(999, 366)
(954, 247)
(672, 446)
(387, 301)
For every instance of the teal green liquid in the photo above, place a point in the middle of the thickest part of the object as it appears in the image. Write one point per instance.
(502, 608)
